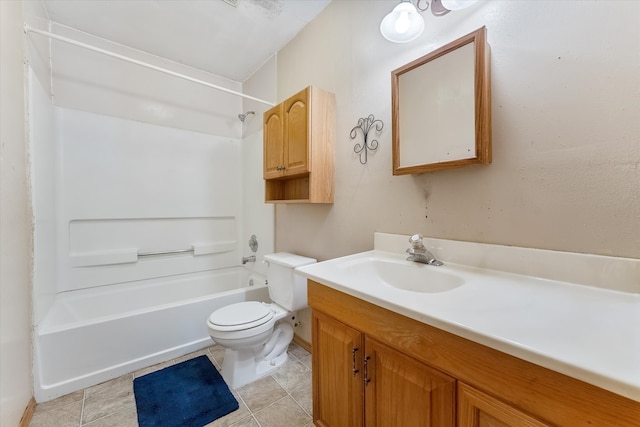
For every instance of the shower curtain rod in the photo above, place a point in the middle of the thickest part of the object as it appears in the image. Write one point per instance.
(28, 28)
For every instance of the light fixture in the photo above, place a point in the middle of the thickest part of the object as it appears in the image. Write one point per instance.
(457, 4)
(404, 23)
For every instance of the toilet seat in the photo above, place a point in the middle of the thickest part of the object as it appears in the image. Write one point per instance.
(240, 316)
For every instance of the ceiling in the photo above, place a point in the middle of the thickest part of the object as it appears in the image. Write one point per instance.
(210, 35)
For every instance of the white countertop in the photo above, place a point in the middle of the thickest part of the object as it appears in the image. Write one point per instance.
(588, 333)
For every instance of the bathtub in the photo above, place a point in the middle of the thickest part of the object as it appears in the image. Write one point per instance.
(93, 335)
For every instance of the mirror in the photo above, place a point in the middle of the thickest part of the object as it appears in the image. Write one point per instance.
(441, 108)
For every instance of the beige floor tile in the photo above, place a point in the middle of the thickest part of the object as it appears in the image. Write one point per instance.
(297, 351)
(248, 422)
(154, 368)
(67, 415)
(291, 374)
(283, 413)
(214, 362)
(302, 394)
(306, 360)
(190, 356)
(107, 386)
(128, 417)
(60, 401)
(217, 352)
(108, 398)
(234, 417)
(261, 393)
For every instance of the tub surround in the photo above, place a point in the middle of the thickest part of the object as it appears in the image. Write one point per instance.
(539, 306)
(98, 334)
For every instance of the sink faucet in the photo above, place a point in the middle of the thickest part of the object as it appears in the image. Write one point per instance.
(418, 253)
(246, 259)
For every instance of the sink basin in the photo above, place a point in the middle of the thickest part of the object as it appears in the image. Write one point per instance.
(407, 276)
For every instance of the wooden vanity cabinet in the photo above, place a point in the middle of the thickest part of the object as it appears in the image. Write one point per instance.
(358, 381)
(337, 378)
(400, 391)
(477, 409)
(298, 142)
(420, 375)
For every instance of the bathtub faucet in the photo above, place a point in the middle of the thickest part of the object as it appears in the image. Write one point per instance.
(246, 259)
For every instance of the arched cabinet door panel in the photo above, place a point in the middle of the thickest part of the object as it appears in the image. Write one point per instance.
(296, 134)
(273, 142)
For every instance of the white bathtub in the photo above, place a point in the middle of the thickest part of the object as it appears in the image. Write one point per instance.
(93, 335)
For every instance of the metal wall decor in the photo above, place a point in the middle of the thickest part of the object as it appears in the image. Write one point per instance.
(365, 124)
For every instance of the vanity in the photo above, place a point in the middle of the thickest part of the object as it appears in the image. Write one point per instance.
(497, 336)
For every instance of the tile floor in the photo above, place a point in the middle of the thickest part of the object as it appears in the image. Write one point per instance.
(280, 400)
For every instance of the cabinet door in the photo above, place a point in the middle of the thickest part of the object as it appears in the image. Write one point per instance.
(477, 409)
(400, 391)
(296, 134)
(337, 379)
(273, 140)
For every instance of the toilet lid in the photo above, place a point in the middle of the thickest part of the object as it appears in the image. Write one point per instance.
(241, 315)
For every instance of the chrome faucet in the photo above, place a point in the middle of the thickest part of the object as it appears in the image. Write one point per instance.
(418, 253)
(246, 259)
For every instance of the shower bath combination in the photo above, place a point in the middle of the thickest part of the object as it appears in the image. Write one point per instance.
(243, 117)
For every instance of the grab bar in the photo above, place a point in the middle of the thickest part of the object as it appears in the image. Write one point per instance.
(175, 251)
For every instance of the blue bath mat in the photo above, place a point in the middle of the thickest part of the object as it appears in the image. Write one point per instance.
(191, 393)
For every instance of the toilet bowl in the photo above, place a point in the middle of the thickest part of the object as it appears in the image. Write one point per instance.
(256, 335)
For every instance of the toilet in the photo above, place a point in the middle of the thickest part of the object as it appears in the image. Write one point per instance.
(256, 335)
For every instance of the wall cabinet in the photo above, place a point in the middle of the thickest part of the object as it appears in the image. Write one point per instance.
(375, 367)
(298, 148)
(358, 381)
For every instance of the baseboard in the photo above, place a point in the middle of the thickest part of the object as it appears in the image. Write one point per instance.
(302, 343)
(28, 413)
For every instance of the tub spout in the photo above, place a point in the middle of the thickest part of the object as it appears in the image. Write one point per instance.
(247, 259)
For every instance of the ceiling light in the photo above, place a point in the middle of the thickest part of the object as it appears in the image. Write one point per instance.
(403, 24)
(457, 4)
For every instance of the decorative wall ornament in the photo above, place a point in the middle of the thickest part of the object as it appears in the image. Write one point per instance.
(365, 124)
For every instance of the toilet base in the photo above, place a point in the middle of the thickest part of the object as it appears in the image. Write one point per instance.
(242, 372)
(243, 366)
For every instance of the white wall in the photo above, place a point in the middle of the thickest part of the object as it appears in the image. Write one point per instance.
(15, 224)
(45, 152)
(126, 185)
(258, 216)
(566, 131)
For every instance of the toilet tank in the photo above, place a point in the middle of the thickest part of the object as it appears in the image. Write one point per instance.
(287, 288)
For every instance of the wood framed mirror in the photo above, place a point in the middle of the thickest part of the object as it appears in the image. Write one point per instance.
(441, 108)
